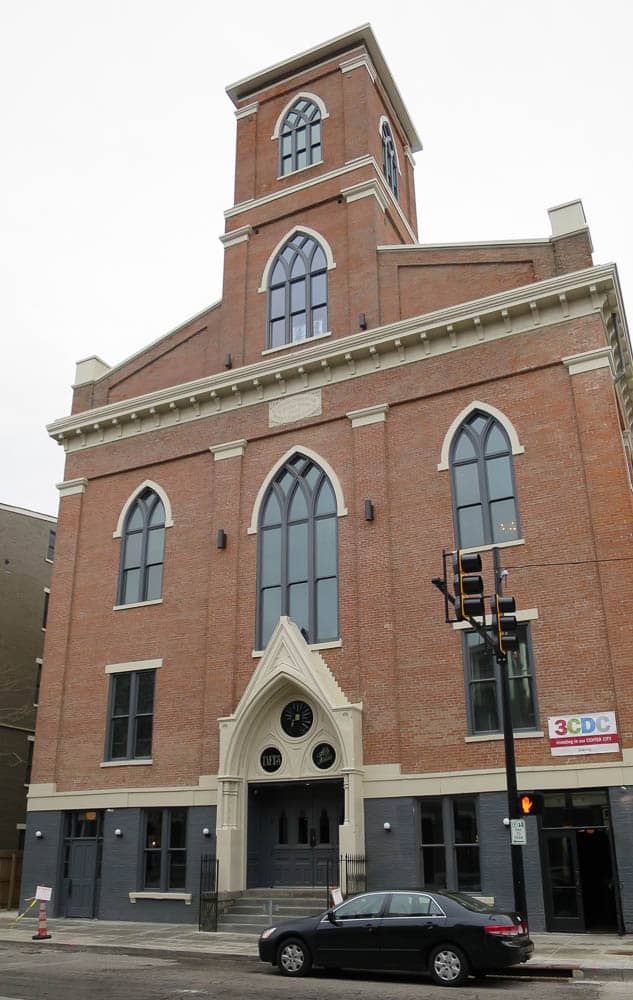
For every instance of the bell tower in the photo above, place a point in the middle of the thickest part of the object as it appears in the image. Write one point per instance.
(324, 169)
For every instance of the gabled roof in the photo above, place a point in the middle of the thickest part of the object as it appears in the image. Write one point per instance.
(363, 35)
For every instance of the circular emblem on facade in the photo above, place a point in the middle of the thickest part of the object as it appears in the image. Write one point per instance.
(270, 759)
(323, 756)
(296, 718)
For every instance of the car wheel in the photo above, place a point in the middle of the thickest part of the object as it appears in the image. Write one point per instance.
(448, 965)
(294, 958)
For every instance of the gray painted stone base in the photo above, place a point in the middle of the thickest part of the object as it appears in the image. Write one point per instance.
(621, 808)
(121, 865)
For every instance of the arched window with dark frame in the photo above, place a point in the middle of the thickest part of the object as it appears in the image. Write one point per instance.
(298, 553)
(482, 476)
(142, 549)
(297, 292)
(389, 159)
(300, 136)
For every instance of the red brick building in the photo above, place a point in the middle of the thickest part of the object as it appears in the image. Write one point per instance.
(245, 652)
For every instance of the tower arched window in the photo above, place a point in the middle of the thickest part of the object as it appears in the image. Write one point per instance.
(298, 553)
(389, 159)
(297, 295)
(143, 545)
(482, 475)
(300, 136)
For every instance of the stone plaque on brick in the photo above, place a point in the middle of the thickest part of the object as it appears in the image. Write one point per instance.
(299, 407)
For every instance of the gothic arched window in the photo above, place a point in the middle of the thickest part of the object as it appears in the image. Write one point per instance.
(298, 553)
(143, 544)
(389, 159)
(297, 292)
(484, 494)
(300, 137)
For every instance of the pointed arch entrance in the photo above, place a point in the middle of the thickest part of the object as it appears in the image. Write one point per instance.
(290, 780)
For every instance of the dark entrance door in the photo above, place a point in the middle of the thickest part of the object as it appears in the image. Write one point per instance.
(566, 912)
(82, 862)
(293, 833)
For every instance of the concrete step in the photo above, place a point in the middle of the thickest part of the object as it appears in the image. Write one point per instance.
(260, 919)
(228, 928)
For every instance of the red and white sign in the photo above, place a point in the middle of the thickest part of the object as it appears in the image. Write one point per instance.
(591, 732)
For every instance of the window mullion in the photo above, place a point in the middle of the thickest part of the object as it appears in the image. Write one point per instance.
(131, 722)
(312, 527)
(143, 559)
(284, 595)
(164, 851)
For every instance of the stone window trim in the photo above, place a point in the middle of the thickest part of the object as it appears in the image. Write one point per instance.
(299, 133)
(385, 121)
(148, 484)
(136, 604)
(390, 163)
(175, 897)
(142, 551)
(297, 301)
(306, 95)
(323, 243)
(335, 483)
(485, 408)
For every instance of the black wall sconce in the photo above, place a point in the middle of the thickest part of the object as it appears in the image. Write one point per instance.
(369, 510)
(221, 541)
(362, 321)
(228, 361)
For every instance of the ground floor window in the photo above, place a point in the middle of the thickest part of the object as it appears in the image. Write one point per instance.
(165, 852)
(449, 851)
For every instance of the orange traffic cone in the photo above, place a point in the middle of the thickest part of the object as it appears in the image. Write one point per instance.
(42, 934)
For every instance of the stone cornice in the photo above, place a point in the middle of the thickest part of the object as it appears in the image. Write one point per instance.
(418, 338)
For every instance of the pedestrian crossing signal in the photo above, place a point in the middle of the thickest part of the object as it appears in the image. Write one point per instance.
(530, 804)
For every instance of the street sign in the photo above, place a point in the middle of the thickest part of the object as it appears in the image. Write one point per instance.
(43, 893)
(518, 832)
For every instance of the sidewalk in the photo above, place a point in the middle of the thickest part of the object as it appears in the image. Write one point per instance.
(590, 956)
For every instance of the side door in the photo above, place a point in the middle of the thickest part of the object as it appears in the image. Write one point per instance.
(563, 889)
(352, 938)
(413, 922)
(82, 873)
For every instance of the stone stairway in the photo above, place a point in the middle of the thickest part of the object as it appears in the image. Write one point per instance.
(256, 909)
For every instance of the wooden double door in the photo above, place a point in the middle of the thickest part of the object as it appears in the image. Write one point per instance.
(293, 833)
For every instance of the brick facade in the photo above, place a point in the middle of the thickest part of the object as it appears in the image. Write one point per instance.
(531, 330)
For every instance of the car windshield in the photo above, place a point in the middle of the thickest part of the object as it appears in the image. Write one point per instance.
(469, 902)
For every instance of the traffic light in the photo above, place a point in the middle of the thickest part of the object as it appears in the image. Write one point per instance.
(530, 804)
(469, 588)
(504, 624)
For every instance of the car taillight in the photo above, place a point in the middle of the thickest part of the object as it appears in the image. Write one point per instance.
(524, 928)
(502, 930)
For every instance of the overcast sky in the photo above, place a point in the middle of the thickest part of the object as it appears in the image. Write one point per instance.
(117, 156)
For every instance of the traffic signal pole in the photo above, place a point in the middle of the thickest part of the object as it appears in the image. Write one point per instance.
(514, 812)
(468, 602)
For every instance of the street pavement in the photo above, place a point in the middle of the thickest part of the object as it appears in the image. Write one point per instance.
(591, 956)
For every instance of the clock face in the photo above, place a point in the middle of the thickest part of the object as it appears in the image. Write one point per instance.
(296, 718)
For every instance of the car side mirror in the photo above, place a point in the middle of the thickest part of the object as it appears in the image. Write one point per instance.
(331, 916)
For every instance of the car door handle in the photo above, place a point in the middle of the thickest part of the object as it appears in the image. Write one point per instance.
(369, 927)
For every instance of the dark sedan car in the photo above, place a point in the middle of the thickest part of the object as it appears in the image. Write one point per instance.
(447, 935)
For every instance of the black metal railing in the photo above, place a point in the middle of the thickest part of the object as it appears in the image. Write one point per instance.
(347, 873)
(208, 907)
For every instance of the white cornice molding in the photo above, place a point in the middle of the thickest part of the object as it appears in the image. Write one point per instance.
(590, 361)
(357, 62)
(72, 486)
(230, 449)
(241, 235)
(366, 189)
(510, 313)
(247, 110)
(357, 164)
(369, 415)
(472, 245)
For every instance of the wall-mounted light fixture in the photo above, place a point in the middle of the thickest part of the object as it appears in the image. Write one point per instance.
(369, 510)
(206, 832)
(118, 832)
(39, 834)
(221, 540)
(386, 826)
(228, 361)
(362, 321)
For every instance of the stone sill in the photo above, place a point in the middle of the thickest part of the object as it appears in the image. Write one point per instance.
(139, 604)
(333, 644)
(126, 763)
(533, 734)
(182, 897)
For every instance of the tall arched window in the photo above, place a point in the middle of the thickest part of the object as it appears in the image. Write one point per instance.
(300, 137)
(297, 296)
(298, 553)
(143, 544)
(484, 493)
(389, 159)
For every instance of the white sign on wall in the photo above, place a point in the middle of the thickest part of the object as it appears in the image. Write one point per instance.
(518, 832)
(591, 732)
(43, 893)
